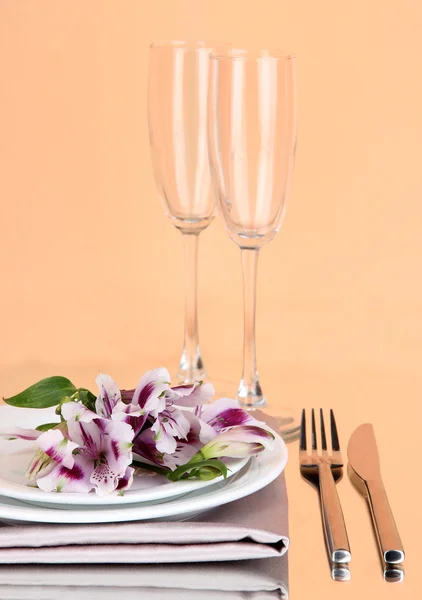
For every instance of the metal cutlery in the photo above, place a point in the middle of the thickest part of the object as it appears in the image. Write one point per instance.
(323, 469)
(365, 473)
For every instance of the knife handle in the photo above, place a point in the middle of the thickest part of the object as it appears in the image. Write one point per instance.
(388, 538)
(332, 517)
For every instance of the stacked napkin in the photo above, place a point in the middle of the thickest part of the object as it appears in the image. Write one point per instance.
(258, 579)
(252, 527)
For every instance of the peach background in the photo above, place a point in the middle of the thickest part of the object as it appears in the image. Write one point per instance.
(91, 270)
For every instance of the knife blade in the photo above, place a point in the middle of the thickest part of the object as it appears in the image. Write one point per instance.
(363, 458)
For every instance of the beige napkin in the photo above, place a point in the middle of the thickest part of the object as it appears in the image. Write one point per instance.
(256, 579)
(249, 528)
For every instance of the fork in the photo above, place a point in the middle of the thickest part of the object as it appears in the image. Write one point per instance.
(323, 471)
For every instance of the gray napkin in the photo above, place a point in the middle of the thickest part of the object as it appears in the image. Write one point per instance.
(257, 579)
(252, 527)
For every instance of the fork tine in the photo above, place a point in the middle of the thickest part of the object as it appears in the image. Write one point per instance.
(323, 438)
(314, 440)
(334, 435)
(302, 445)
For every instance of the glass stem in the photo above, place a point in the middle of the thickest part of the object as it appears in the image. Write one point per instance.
(250, 392)
(191, 366)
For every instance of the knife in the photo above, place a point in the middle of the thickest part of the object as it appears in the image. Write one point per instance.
(363, 458)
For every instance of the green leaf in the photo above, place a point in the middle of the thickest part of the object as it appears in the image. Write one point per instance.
(65, 399)
(46, 426)
(203, 469)
(87, 398)
(47, 392)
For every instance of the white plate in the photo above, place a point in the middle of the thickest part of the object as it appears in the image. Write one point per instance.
(15, 456)
(257, 473)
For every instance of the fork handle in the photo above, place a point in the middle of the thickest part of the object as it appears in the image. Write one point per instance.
(332, 517)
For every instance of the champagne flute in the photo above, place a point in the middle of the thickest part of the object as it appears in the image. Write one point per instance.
(177, 109)
(252, 136)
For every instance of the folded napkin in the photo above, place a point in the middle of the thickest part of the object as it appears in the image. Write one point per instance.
(252, 527)
(258, 579)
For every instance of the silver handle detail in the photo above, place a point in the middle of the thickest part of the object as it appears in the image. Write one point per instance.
(388, 538)
(332, 517)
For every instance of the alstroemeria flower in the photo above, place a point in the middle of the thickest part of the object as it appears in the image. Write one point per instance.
(40, 465)
(187, 448)
(103, 456)
(145, 446)
(53, 446)
(239, 442)
(225, 413)
(186, 394)
(149, 394)
(58, 447)
(130, 414)
(191, 394)
(62, 479)
(108, 397)
(148, 398)
(76, 411)
(19, 433)
(171, 423)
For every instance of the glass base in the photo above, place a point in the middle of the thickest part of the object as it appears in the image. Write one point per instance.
(223, 387)
(285, 421)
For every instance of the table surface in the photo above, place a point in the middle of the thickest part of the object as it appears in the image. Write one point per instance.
(397, 425)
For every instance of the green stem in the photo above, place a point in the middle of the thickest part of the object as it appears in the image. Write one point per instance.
(148, 467)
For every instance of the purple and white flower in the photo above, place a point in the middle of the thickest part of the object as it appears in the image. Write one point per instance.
(150, 392)
(148, 398)
(145, 445)
(108, 397)
(224, 414)
(170, 424)
(58, 447)
(169, 427)
(102, 458)
(239, 442)
(20, 433)
(192, 394)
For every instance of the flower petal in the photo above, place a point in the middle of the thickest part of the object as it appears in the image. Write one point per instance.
(126, 481)
(226, 412)
(165, 443)
(108, 397)
(116, 446)
(87, 436)
(199, 429)
(62, 479)
(184, 451)
(127, 396)
(144, 446)
(150, 387)
(191, 394)
(130, 414)
(15, 433)
(40, 465)
(238, 442)
(169, 424)
(57, 447)
(232, 449)
(76, 411)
